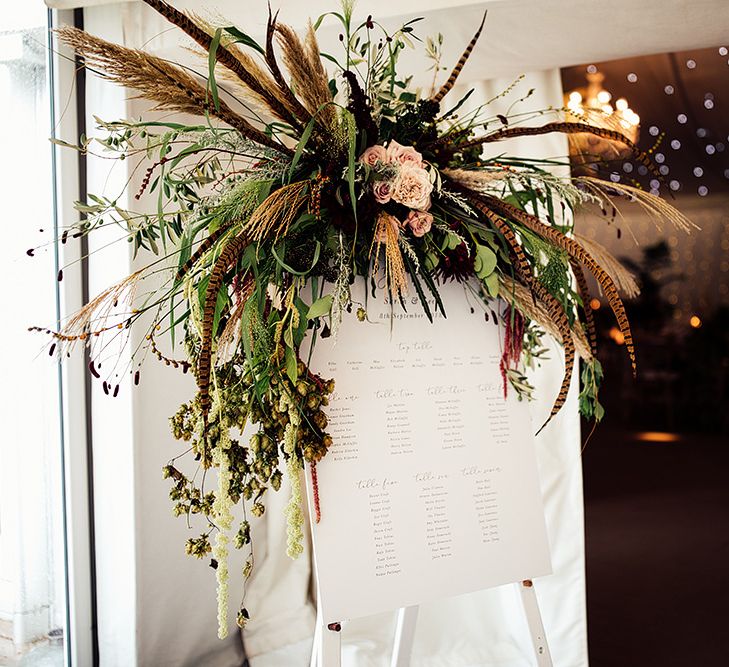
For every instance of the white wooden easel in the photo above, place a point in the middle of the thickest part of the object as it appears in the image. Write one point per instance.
(327, 648)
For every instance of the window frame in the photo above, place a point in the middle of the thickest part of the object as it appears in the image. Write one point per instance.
(67, 91)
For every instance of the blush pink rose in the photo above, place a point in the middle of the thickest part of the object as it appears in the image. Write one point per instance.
(373, 155)
(382, 190)
(403, 154)
(412, 187)
(420, 222)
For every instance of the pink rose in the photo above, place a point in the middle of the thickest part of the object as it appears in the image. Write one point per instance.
(412, 187)
(382, 190)
(420, 222)
(373, 155)
(403, 154)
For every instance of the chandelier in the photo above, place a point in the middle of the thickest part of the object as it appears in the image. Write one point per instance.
(593, 104)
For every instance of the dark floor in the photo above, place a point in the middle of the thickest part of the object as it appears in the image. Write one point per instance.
(657, 524)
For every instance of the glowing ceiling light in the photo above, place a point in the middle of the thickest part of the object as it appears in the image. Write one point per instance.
(592, 104)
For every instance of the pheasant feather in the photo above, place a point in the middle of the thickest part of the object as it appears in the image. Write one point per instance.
(578, 253)
(451, 81)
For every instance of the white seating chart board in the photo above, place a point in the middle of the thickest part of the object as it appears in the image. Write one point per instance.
(430, 488)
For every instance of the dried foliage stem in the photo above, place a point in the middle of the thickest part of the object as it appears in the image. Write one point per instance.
(158, 80)
(224, 56)
(657, 208)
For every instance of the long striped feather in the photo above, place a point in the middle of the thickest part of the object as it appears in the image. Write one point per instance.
(223, 55)
(446, 87)
(584, 293)
(577, 252)
(156, 79)
(567, 128)
(207, 243)
(554, 307)
(226, 259)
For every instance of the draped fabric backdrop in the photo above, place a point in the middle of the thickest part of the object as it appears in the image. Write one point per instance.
(157, 606)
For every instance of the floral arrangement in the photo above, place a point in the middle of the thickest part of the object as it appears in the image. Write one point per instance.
(295, 183)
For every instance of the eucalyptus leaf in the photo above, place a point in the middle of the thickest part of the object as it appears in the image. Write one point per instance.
(492, 284)
(484, 262)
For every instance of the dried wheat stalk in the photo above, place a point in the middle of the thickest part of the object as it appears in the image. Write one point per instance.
(169, 86)
(226, 57)
(658, 209)
(308, 76)
(259, 87)
(277, 211)
(474, 179)
(387, 232)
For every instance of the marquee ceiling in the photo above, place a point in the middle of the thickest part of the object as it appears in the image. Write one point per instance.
(521, 35)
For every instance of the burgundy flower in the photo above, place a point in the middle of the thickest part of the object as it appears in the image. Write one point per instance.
(456, 264)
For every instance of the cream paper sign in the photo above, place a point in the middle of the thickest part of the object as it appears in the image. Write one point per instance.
(430, 489)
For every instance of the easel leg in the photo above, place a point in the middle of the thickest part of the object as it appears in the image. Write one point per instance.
(534, 620)
(402, 648)
(327, 648)
(331, 646)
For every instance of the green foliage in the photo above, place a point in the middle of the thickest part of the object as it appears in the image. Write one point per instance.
(484, 262)
(592, 376)
(319, 308)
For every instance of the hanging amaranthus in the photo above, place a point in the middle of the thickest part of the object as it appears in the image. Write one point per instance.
(514, 327)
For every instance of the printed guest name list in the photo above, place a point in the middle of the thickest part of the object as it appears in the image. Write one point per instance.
(430, 489)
